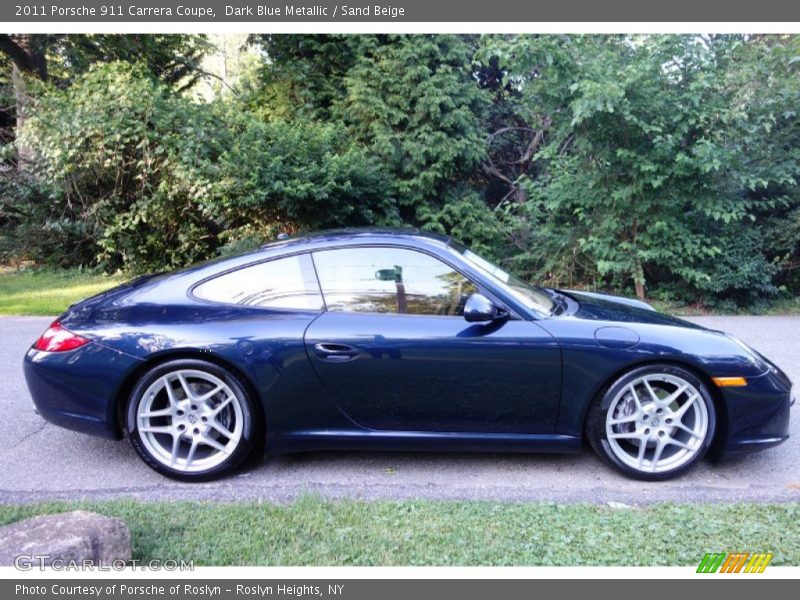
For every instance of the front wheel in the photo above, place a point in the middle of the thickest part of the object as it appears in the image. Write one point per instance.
(653, 423)
(191, 420)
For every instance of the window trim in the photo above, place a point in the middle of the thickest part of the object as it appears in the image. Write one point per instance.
(482, 289)
(190, 292)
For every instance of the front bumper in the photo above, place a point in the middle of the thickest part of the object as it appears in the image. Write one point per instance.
(78, 389)
(758, 414)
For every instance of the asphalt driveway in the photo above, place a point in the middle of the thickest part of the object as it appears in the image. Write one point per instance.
(39, 461)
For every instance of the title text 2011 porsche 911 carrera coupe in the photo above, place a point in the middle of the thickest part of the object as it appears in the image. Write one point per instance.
(385, 339)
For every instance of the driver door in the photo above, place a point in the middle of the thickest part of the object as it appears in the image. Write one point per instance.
(395, 353)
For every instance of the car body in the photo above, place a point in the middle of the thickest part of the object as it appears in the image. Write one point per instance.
(354, 361)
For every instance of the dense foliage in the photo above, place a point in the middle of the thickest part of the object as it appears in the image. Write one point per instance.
(661, 165)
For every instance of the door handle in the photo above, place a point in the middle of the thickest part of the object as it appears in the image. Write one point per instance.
(335, 352)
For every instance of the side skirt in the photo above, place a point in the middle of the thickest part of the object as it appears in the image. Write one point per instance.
(413, 441)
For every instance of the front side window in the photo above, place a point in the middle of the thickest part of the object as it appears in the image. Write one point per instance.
(390, 280)
(285, 283)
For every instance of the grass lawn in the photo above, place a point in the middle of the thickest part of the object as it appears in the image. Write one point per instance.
(314, 531)
(32, 292)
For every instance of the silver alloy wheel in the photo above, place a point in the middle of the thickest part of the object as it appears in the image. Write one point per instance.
(657, 423)
(189, 420)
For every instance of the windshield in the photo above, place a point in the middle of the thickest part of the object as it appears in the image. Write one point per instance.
(531, 296)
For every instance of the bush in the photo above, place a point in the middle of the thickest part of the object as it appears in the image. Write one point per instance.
(735, 274)
(31, 230)
(303, 175)
(146, 180)
(120, 154)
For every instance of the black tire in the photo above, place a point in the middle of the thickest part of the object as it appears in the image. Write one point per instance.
(252, 427)
(596, 429)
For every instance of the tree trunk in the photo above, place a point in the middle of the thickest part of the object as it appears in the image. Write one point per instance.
(638, 269)
(28, 53)
(23, 101)
(638, 280)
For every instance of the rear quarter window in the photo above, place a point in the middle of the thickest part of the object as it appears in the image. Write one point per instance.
(284, 283)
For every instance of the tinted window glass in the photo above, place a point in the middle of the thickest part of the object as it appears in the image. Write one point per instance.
(283, 283)
(390, 280)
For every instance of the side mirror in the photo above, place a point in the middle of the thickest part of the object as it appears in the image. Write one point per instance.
(479, 309)
(395, 274)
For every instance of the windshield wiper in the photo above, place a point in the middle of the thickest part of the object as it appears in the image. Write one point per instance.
(559, 302)
(561, 305)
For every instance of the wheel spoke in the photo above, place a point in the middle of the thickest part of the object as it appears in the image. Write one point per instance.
(164, 412)
(675, 395)
(657, 453)
(689, 430)
(678, 414)
(651, 391)
(185, 385)
(210, 394)
(170, 392)
(636, 400)
(221, 405)
(209, 441)
(625, 435)
(642, 449)
(218, 426)
(190, 456)
(623, 420)
(675, 442)
(176, 442)
(158, 429)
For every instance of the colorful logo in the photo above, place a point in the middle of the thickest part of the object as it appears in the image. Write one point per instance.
(734, 562)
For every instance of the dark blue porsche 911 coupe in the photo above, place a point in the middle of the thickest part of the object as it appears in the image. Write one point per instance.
(386, 339)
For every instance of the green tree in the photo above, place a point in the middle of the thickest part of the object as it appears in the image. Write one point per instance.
(411, 102)
(304, 75)
(60, 58)
(142, 178)
(646, 154)
(124, 160)
(415, 105)
(765, 76)
(298, 175)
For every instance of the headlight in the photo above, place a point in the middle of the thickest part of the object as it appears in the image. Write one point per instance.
(741, 344)
(754, 355)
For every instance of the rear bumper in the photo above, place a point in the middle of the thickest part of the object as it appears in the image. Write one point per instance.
(78, 389)
(758, 414)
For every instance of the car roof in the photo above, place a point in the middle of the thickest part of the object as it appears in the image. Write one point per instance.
(358, 234)
(321, 240)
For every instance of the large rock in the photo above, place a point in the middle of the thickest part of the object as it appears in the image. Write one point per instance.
(73, 536)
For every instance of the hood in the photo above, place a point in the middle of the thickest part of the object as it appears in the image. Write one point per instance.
(604, 307)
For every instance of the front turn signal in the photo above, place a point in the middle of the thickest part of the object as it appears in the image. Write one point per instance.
(729, 381)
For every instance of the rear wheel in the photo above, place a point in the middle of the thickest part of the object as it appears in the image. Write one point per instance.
(191, 420)
(653, 423)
